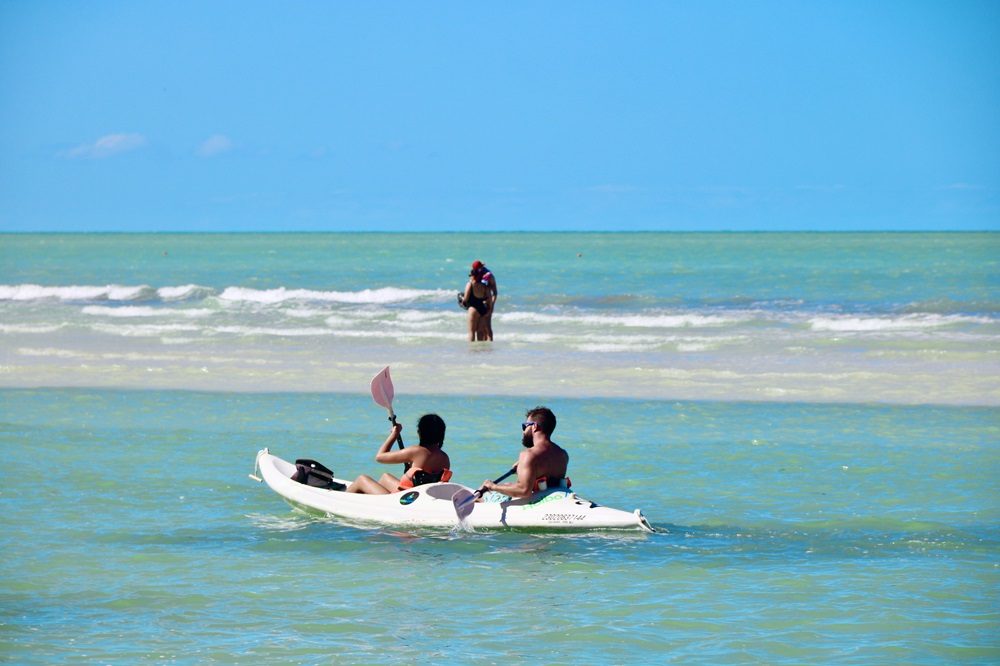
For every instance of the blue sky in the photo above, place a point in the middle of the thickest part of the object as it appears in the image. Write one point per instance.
(402, 116)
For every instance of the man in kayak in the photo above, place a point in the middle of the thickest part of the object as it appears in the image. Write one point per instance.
(425, 463)
(479, 298)
(542, 464)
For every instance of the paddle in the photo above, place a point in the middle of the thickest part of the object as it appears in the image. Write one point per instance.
(383, 393)
(463, 499)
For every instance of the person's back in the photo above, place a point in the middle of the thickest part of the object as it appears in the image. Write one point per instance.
(428, 464)
(549, 460)
(425, 463)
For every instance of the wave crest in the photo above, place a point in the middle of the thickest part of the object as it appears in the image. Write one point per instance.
(904, 323)
(379, 296)
(637, 320)
(109, 292)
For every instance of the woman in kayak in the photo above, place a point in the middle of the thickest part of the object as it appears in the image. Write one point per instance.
(425, 463)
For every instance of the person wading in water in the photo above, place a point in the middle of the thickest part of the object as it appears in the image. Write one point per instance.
(479, 299)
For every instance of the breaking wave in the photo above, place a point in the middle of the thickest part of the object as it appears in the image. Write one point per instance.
(109, 292)
(233, 294)
(382, 296)
(909, 322)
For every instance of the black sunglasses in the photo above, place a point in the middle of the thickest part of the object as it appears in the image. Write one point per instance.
(524, 426)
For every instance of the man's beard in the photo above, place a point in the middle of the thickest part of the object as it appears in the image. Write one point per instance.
(527, 440)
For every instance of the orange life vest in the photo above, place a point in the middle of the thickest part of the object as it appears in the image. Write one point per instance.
(418, 477)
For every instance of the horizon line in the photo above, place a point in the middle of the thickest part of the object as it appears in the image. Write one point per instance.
(497, 232)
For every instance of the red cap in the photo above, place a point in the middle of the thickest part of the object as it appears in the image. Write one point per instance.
(476, 265)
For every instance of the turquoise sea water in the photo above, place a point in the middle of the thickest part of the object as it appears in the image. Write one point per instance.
(788, 533)
(902, 318)
(809, 420)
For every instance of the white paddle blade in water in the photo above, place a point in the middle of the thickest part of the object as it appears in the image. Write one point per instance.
(464, 502)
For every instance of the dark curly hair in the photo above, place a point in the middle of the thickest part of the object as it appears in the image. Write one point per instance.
(430, 430)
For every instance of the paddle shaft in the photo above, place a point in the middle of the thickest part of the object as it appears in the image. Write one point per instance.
(479, 493)
(399, 438)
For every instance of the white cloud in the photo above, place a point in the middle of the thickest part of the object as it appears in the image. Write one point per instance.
(963, 187)
(107, 146)
(216, 144)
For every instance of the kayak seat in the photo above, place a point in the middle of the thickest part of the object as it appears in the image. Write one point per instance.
(315, 474)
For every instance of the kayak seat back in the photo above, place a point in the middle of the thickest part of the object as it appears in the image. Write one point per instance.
(313, 473)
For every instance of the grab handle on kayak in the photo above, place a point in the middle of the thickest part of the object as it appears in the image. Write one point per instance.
(256, 467)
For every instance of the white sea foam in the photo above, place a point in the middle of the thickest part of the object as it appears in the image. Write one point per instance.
(178, 341)
(405, 320)
(903, 323)
(144, 330)
(276, 332)
(373, 296)
(51, 352)
(30, 328)
(393, 332)
(643, 320)
(115, 292)
(184, 292)
(306, 313)
(423, 316)
(138, 357)
(693, 346)
(530, 338)
(144, 311)
(110, 292)
(612, 347)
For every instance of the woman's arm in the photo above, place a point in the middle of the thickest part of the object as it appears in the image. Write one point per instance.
(385, 453)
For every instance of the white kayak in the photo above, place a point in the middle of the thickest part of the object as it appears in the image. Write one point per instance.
(434, 505)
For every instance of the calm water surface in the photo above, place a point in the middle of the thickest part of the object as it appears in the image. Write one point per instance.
(787, 534)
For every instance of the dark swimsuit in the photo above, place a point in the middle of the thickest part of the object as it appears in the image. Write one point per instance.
(478, 303)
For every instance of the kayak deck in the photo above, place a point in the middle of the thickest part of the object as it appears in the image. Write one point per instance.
(431, 505)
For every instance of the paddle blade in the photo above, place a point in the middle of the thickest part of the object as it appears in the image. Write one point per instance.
(464, 502)
(382, 391)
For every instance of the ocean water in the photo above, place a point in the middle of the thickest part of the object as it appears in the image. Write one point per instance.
(809, 420)
(901, 318)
